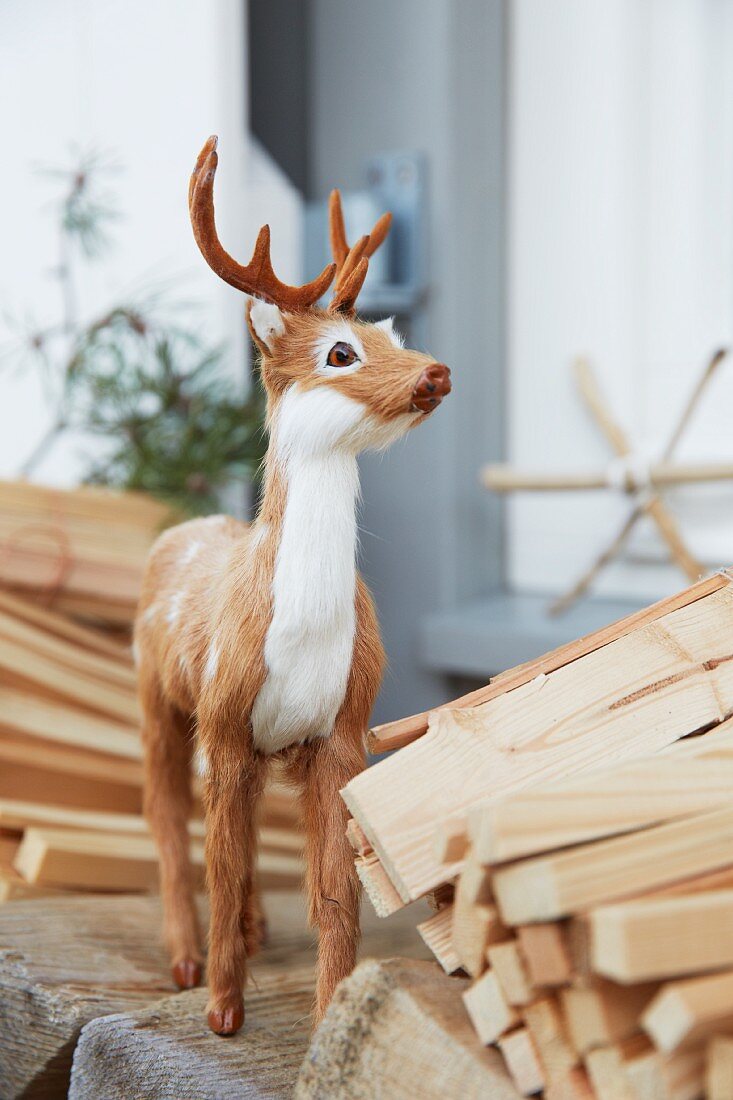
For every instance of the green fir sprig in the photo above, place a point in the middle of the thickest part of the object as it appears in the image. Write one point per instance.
(171, 420)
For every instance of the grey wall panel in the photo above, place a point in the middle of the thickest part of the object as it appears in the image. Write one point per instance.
(427, 75)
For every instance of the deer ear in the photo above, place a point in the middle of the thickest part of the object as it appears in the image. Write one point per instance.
(265, 323)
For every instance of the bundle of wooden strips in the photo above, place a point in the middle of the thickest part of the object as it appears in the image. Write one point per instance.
(83, 549)
(573, 822)
(71, 767)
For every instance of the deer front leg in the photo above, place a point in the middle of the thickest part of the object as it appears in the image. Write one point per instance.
(334, 890)
(168, 800)
(232, 793)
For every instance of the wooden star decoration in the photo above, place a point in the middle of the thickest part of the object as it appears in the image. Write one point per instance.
(643, 482)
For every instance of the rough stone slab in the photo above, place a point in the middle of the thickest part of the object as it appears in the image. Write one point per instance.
(395, 1029)
(165, 1052)
(67, 961)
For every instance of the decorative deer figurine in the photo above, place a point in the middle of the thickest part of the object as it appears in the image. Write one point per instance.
(264, 636)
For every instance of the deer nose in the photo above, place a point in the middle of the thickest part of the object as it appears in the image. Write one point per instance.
(430, 388)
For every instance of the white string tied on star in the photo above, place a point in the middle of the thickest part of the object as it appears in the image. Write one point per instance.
(630, 473)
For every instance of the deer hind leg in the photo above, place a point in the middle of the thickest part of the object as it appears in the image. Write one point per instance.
(167, 802)
(233, 790)
(334, 892)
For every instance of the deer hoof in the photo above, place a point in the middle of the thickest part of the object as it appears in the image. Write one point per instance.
(187, 974)
(227, 1021)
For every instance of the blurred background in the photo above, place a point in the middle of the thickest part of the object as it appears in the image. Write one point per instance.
(562, 179)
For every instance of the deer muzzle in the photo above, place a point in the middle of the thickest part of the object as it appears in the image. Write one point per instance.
(431, 387)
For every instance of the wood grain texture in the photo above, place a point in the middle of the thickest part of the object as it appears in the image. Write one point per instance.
(126, 862)
(686, 1012)
(491, 1014)
(545, 1023)
(163, 1052)
(398, 734)
(398, 1029)
(65, 962)
(634, 696)
(719, 1068)
(507, 962)
(521, 1061)
(599, 1012)
(632, 796)
(552, 886)
(641, 940)
(679, 1076)
(436, 933)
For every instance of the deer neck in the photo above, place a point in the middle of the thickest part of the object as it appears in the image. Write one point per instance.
(309, 507)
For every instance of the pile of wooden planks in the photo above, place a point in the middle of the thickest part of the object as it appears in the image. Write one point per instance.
(573, 823)
(70, 750)
(83, 549)
(71, 767)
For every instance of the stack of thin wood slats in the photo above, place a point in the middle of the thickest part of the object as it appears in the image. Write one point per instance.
(70, 749)
(573, 824)
(85, 549)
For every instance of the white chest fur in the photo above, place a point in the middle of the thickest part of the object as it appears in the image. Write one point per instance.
(310, 641)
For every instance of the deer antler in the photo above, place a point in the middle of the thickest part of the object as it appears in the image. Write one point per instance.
(258, 277)
(352, 263)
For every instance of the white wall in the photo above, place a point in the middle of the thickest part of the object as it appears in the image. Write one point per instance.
(620, 244)
(148, 82)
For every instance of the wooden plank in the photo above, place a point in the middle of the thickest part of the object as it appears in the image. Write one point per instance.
(476, 923)
(97, 641)
(719, 1068)
(377, 886)
(111, 861)
(78, 687)
(38, 642)
(545, 954)
(606, 1067)
(637, 794)
(436, 933)
(574, 1085)
(655, 1076)
(13, 887)
(488, 1009)
(69, 960)
(397, 1029)
(641, 940)
(686, 1012)
(165, 1050)
(545, 1023)
(474, 930)
(552, 886)
(357, 838)
(36, 783)
(522, 1062)
(79, 763)
(601, 1012)
(396, 735)
(55, 720)
(633, 697)
(15, 814)
(507, 962)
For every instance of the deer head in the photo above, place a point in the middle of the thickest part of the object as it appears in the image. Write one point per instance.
(332, 380)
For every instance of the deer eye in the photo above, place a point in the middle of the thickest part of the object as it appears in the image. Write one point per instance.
(341, 355)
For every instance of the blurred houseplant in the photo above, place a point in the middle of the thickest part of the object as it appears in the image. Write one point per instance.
(150, 388)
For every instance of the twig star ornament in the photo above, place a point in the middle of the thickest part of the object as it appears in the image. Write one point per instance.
(628, 472)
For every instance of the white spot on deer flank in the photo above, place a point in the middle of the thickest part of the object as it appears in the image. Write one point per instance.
(212, 660)
(190, 552)
(200, 762)
(174, 608)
